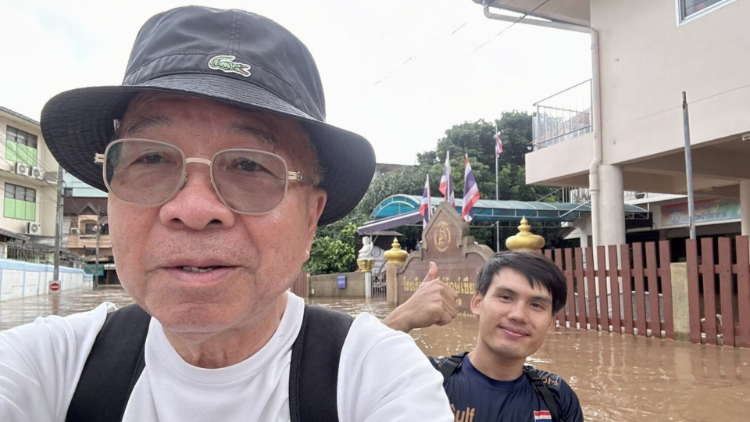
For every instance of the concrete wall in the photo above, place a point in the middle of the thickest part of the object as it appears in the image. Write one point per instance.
(327, 285)
(646, 60)
(20, 279)
(573, 156)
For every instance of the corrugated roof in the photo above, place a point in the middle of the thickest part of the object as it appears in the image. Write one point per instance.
(19, 115)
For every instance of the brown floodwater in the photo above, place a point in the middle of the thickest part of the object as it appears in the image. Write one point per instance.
(616, 377)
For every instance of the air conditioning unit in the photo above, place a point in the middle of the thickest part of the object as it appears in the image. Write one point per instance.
(75, 231)
(24, 169)
(37, 173)
(34, 228)
(50, 177)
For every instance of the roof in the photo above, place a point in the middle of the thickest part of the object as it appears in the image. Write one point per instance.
(74, 205)
(571, 11)
(401, 210)
(19, 115)
(8, 233)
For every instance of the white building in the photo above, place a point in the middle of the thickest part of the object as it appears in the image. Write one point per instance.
(622, 132)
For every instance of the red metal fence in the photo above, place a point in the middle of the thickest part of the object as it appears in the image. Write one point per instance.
(627, 297)
(719, 308)
(300, 287)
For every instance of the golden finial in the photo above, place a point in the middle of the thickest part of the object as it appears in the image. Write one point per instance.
(525, 240)
(396, 255)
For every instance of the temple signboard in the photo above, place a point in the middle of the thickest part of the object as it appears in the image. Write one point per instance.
(445, 241)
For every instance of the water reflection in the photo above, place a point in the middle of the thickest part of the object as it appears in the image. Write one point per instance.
(617, 378)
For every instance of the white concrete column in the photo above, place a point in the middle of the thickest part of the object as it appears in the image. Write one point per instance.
(745, 206)
(611, 206)
(368, 284)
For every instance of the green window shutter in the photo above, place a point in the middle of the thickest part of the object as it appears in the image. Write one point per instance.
(9, 208)
(11, 149)
(26, 155)
(20, 210)
(32, 159)
(30, 210)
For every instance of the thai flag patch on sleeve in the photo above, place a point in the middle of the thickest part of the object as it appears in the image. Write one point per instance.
(542, 415)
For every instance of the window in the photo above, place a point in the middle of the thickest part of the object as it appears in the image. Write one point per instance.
(688, 9)
(90, 228)
(20, 202)
(20, 146)
(68, 192)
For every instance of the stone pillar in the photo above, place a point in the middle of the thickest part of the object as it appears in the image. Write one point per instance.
(395, 257)
(680, 305)
(611, 206)
(365, 265)
(745, 206)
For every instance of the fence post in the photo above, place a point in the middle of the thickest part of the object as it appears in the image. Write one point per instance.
(680, 305)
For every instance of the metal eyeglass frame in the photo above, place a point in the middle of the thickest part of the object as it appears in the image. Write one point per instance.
(291, 175)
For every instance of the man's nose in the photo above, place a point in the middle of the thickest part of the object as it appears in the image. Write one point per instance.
(197, 205)
(518, 311)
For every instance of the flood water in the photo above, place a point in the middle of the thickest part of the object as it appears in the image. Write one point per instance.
(616, 377)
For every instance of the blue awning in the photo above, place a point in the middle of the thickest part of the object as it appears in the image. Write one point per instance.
(402, 210)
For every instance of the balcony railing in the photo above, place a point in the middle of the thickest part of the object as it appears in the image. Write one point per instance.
(562, 116)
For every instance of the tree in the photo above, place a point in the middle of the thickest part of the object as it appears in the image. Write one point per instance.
(334, 247)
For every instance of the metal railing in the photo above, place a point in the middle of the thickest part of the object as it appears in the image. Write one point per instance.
(562, 116)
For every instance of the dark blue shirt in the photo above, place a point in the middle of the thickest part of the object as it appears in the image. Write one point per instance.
(474, 397)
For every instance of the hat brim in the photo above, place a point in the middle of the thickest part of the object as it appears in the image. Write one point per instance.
(79, 123)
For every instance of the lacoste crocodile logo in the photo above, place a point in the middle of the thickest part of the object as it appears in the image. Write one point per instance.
(227, 65)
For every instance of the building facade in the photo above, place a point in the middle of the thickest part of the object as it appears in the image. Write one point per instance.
(28, 179)
(623, 133)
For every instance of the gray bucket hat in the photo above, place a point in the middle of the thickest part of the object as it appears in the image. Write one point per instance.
(229, 55)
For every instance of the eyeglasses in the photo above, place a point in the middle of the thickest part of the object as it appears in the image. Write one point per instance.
(150, 173)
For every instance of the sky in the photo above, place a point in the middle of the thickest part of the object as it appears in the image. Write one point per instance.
(398, 72)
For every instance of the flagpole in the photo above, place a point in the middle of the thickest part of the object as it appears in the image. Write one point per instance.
(497, 197)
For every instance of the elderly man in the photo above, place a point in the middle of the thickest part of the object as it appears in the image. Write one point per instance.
(219, 168)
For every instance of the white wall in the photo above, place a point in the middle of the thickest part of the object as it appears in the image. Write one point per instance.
(647, 60)
(20, 279)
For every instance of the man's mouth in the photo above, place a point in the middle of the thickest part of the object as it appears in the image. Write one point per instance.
(514, 332)
(198, 270)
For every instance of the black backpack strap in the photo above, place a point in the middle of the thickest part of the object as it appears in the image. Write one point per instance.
(541, 389)
(450, 366)
(313, 380)
(112, 368)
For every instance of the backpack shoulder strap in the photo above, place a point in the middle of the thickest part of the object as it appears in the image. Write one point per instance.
(541, 389)
(112, 367)
(313, 374)
(450, 366)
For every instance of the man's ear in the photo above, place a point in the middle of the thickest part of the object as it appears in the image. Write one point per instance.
(476, 303)
(316, 205)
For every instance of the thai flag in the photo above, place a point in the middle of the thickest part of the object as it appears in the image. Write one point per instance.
(498, 142)
(446, 182)
(471, 192)
(425, 209)
(542, 415)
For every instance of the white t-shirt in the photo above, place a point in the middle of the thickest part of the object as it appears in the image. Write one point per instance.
(382, 377)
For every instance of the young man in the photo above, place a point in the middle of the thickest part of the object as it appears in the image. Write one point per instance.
(517, 296)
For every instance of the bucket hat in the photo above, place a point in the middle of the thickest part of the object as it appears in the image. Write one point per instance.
(233, 56)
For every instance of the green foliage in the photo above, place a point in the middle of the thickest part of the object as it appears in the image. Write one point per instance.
(334, 247)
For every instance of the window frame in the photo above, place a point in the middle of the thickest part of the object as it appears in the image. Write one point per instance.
(30, 140)
(19, 194)
(681, 20)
